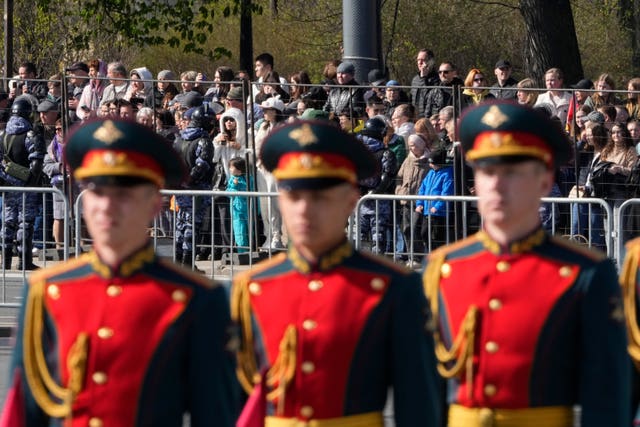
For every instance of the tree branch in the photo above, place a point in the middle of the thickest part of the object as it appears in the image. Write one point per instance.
(495, 3)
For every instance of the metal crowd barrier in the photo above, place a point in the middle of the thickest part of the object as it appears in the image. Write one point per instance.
(559, 212)
(402, 245)
(11, 281)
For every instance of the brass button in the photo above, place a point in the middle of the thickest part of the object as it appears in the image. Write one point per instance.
(179, 295)
(99, 377)
(315, 285)
(114, 290)
(309, 325)
(445, 270)
(486, 417)
(377, 284)
(255, 288)
(491, 347)
(53, 291)
(495, 304)
(565, 271)
(105, 333)
(503, 266)
(308, 367)
(95, 422)
(490, 390)
(306, 411)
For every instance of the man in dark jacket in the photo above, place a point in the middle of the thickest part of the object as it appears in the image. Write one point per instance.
(505, 88)
(427, 76)
(345, 98)
(196, 148)
(375, 215)
(22, 151)
(441, 96)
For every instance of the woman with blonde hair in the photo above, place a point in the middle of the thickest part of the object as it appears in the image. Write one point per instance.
(524, 96)
(602, 97)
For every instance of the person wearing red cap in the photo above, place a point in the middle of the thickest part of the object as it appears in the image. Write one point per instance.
(120, 336)
(329, 327)
(529, 325)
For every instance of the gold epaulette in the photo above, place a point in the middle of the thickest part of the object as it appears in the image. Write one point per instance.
(280, 375)
(39, 379)
(461, 351)
(628, 281)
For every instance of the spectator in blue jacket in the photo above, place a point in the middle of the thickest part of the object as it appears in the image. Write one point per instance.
(436, 221)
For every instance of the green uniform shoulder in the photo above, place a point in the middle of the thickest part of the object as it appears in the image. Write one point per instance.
(194, 277)
(581, 250)
(68, 266)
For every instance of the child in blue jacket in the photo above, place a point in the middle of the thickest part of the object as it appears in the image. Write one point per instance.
(437, 221)
(239, 206)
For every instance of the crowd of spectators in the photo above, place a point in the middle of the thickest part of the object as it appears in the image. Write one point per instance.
(411, 129)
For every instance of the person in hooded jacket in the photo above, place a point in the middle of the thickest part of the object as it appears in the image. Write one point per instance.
(229, 143)
(141, 86)
(410, 176)
(196, 148)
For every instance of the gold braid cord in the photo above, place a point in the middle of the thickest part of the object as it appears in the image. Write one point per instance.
(283, 370)
(628, 278)
(40, 380)
(247, 369)
(461, 352)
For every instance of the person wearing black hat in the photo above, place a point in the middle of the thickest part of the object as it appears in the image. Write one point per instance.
(120, 336)
(505, 86)
(527, 322)
(345, 97)
(375, 216)
(579, 99)
(320, 367)
(195, 147)
(22, 151)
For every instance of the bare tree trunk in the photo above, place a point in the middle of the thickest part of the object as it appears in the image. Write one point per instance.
(551, 39)
(629, 12)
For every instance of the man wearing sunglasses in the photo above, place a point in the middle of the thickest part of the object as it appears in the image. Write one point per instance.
(441, 96)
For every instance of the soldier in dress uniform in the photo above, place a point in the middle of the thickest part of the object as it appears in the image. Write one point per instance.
(630, 281)
(327, 329)
(120, 336)
(529, 324)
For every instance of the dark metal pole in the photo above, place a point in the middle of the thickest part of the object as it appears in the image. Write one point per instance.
(246, 37)
(8, 41)
(361, 36)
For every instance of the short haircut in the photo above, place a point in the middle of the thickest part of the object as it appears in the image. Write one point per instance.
(117, 67)
(374, 100)
(429, 52)
(30, 67)
(555, 71)
(189, 75)
(265, 59)
(239, 163)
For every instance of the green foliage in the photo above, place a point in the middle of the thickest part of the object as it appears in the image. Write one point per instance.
(203, 34)
(177, 23)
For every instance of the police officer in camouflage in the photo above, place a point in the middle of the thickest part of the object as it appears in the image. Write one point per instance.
(22, 150)
(196, 147)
